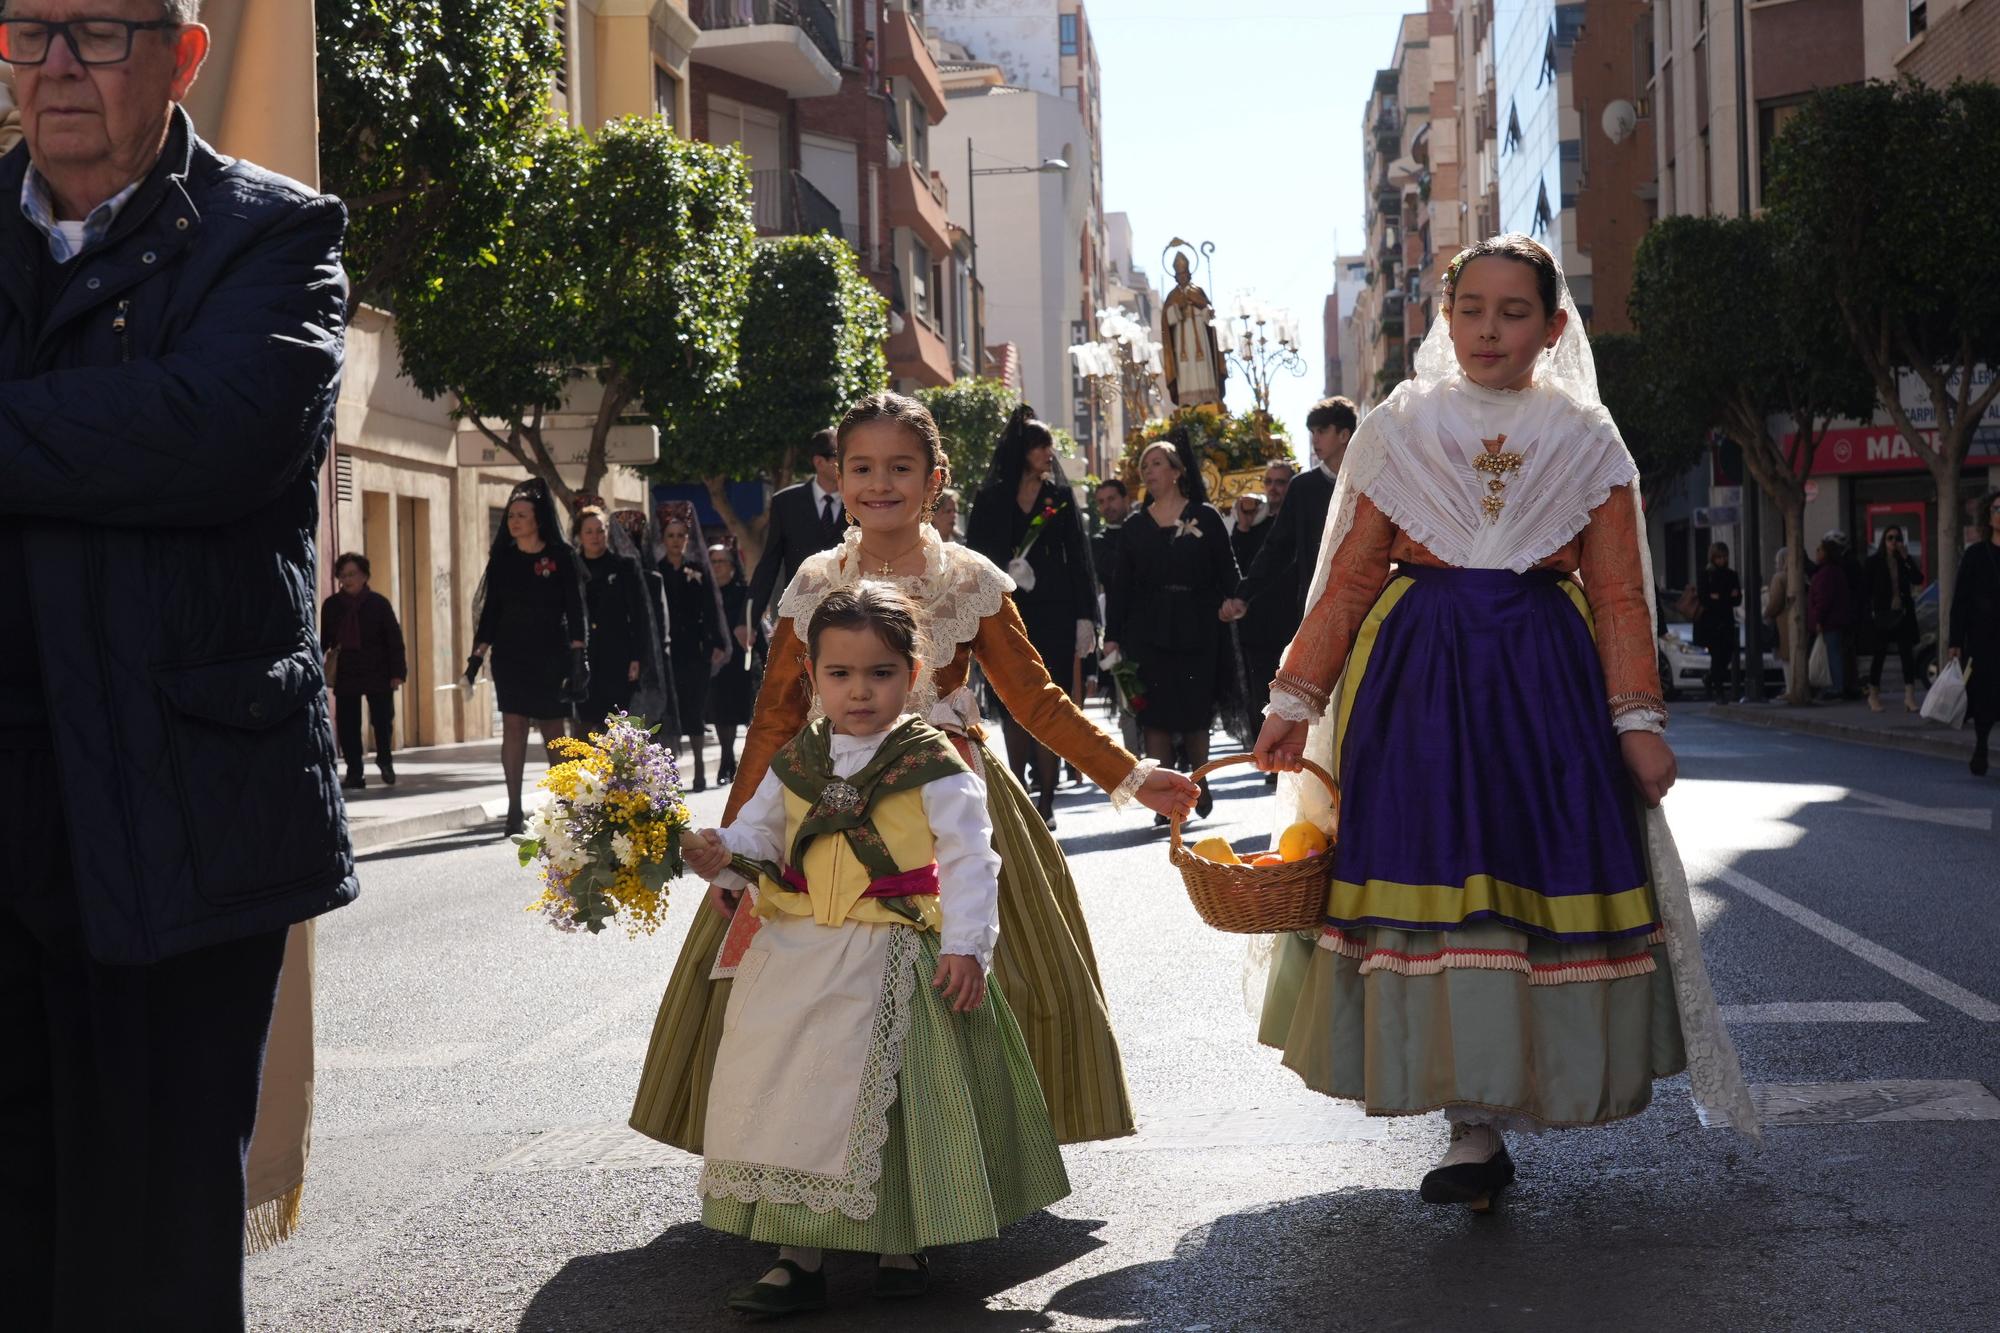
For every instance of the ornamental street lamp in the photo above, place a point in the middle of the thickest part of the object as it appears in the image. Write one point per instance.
(1049, 166)
(1122, 366)
(1263, 342)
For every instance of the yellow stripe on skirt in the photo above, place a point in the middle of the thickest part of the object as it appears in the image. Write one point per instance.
(1045, 965)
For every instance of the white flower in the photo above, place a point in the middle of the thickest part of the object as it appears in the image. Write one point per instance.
(622, 848)
(589, 790)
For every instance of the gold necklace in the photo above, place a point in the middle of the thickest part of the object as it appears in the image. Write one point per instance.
(887, 568)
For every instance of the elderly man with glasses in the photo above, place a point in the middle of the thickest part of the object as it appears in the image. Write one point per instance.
(170, 343)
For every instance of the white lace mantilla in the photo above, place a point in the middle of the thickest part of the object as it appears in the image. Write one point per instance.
(957, 590)
(851, 1193)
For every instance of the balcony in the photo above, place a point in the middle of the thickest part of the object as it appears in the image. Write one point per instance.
(791, 45)
(918, 353)
(917, 201)
(904, 55)
(785, 203)
(1392, 314)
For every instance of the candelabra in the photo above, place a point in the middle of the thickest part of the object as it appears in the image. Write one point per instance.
(1122, 366)
(1262, 342)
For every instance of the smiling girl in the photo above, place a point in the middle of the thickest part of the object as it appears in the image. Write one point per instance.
(1507, 936)
(891, 468)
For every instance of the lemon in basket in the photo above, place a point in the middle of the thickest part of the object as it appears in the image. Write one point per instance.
(1302, 840)
(1217, 850)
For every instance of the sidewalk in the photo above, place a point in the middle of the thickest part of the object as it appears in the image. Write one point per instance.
(1892, 728)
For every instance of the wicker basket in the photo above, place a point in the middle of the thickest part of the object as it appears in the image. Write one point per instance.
(1257, 900)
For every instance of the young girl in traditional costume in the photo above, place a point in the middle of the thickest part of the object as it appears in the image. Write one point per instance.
(853, 1107)
(1508, 935)
(892, 466)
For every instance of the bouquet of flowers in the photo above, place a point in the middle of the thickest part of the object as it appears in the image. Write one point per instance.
(1018, 568)
(1131, 687)
(609, 836)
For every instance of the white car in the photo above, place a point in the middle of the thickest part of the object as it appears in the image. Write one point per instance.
(1684, 667)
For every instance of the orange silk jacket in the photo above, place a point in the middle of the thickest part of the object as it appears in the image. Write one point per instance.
(1012, 666)
(1605, 556)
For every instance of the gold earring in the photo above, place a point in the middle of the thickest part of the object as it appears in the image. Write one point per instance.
(852, 521)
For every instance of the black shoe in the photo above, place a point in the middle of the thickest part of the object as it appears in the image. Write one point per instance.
(806, 1291)
(895, 1284)
(726, 774)
(1161, 821)
(1474, 1183)
(1270, 782)
(1978, 761)
(356, 780)
(1075, 778)
(516, 823)
(388, 768)
(700, 784)
(1205, 802)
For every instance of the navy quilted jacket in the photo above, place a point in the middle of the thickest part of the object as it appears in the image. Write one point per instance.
(159, 448)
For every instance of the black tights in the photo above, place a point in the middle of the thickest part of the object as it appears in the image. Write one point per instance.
(1025, 753)
(1193, 744)
(514, 749)
(725, 737)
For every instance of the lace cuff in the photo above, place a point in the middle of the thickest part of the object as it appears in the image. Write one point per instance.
(1641, 719)
(1295, 700)
(1127, 791)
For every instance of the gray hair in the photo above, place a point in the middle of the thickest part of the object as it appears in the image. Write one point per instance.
(181, 11)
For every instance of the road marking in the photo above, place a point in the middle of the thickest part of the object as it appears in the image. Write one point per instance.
(1925, 980)
(1821, 1011)
(588, 1148)
(1886, 1101)
(441, 1056)
(1958, 817)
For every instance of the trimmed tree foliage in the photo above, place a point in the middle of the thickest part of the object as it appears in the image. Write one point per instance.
(970, 414)
(1664, 430)
(1888, 191)
(425, 111)
(813, 330)
(1737, 332)
(623, 260)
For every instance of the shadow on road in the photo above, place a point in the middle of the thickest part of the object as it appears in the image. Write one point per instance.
(485, 836)
(680, 1280)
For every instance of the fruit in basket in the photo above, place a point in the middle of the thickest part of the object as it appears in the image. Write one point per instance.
(1217, 850)
(1267, 859)
(1301, 840)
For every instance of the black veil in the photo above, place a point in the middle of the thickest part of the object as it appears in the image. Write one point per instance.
(653, 696)
(547, 522)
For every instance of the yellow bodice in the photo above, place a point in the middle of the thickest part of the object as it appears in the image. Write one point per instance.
(835, 880)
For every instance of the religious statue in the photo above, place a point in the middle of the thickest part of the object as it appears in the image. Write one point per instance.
(1193, 358)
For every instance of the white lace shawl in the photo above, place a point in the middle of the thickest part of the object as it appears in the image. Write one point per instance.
(1390, 442)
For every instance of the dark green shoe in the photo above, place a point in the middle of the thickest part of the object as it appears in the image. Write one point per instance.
(896, 1284)
(806, 1291)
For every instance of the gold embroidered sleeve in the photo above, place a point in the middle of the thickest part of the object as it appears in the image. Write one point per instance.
(1615, 584)
(1360, 567)
(1016, 672)
(782, 706)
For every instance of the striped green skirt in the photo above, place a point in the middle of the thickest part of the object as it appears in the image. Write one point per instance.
(1044, 964)
(969, 1147)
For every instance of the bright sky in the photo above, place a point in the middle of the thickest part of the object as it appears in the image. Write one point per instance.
(1239, 122)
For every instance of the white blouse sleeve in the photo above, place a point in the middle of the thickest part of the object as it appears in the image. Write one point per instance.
(758, 831)
(968, 867)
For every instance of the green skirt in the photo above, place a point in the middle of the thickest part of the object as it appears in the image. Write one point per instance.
(1044, 964)
(1544, 1033)
(969, 1147)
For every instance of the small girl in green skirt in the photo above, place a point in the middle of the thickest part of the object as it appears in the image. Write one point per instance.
(855, 1107)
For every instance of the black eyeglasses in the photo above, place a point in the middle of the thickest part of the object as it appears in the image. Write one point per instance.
(91, 41)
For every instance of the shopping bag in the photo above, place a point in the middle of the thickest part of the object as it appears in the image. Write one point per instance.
(1946, 701)
(1818, 674)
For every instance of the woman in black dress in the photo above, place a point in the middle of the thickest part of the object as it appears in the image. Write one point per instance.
(614, 594)
(732, 695)
(1025, 520)
(694, 632)
(1175, 571)
(1975, 629)
(632, 536)
(1893, 581)
(529, 618)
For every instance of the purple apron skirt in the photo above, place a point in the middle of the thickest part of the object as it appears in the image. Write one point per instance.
(1481, 778)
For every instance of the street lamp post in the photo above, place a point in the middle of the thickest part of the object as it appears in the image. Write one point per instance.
(1753, 554)
(972, 175)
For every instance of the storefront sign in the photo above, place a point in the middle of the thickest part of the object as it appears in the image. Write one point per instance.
(1883, 449)
(1916, 401)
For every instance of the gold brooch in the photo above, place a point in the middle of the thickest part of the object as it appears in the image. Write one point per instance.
(1498, 467)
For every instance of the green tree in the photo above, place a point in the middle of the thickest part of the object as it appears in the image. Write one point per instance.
(813, 329)
(624, 260)
(970, 414)
(1664, 430)
(1737, 332)
(1865, 182)
(425, 111)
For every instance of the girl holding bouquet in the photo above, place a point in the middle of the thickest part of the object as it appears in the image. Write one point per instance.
(891, 469)
(917, 1121)
(1508, 935)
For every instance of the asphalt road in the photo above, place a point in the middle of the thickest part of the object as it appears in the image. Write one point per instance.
(471, 1169)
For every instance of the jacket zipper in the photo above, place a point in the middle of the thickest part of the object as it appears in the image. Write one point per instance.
(118, 321)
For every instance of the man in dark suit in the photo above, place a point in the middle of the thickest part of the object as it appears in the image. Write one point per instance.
(1284, 566)
(805, 519)
(1114, 504)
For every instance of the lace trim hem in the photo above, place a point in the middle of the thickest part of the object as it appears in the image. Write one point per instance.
(852, 1193)
(1127, 792)
(1372, 959)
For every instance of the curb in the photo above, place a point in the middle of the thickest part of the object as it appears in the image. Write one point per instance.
(375, 834)
(1773, 719)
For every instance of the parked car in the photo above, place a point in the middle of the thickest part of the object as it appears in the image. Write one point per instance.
(1684, 667)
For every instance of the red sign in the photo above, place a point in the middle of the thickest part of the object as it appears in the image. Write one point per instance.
(1880, 449)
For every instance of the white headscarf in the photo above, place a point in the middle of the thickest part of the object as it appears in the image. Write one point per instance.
(1404, 443)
